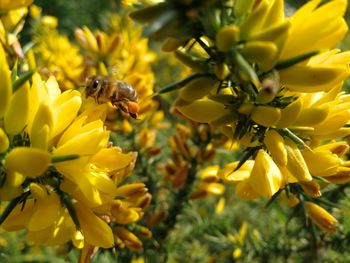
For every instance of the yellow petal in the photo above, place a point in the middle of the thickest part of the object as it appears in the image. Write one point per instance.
(265, 178)
(312, 116)
(275, 143)
(266, 116)
(230, 176)
(46, 212)
(296, 163)
(4, 141)
(197, 88)
(304, 78)
(28, 161)
(42, 126)
(245, 191)
(17, 113)
(112, 159)
(96, 231)
(5, 87)
(203, 110)
(290, 114)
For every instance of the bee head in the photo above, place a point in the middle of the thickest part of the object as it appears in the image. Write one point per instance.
(93, 85)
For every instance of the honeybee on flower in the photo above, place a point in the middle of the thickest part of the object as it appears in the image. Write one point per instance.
(117, 92)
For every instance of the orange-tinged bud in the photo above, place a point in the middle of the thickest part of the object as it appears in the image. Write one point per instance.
(311, 188)
(266, 116)
(128, 238)
(275, 143)
(209, 174)
(16, 116)
(123, 214)
(321, 217)
(145, 232)
(30, 162)
(265, 178)
(4, 141)
(131, 190)
(183, 130)
(226, 37)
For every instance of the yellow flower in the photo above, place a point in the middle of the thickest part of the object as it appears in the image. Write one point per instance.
(57, 56)
(321, 217)
(265, 177)
(6, 5)
(27, 161)
(324, 23)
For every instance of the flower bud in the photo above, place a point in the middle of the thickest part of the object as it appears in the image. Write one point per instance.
(197, 88)
(128, 238)
(221, 71)
(260, 51)
(266, 116)
(226, 37)
(195, 112)
(296, 163)
(275, 143)
(321, 217)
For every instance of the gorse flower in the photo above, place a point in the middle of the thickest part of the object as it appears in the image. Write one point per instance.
(262, 79)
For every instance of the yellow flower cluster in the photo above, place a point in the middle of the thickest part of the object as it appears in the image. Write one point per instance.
(271, 82)
(63, 180)
(121, 54)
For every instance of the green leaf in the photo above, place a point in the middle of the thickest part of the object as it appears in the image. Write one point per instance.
(21, 80)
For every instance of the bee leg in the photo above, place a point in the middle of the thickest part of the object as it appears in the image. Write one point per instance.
(123, 107)
(133, 115)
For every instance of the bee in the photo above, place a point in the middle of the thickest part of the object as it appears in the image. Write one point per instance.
(117, 92)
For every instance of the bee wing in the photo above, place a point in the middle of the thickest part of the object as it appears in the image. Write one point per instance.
(115, 73)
